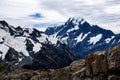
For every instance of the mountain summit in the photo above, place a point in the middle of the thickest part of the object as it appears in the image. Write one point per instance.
(32, 49)
(82, 37)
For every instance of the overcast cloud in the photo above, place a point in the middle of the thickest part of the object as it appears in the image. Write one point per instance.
(27, 13)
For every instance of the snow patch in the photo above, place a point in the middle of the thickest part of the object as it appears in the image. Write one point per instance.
(109, 39)
(119, 41)
(95, 39)
(20, 59)
(81, 37)
(76, 27)
(82, 22)
(4, 49)
(113, 42)
(37, 46)
(64, 40)
(53, 40)
(44, 38)
(30, 30)
(3, 33)
(18, 45)
(78, 19)
(26, 34)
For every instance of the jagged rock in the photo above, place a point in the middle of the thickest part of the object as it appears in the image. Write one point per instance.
(103, 65)
(114, 60)
(96, 65)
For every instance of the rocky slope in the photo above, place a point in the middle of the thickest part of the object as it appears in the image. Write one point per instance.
(31, 49)
(84, 38)
(104, 65)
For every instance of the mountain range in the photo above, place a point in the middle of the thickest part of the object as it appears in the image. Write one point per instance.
(82, 37)
(57, 47)
(32, 49)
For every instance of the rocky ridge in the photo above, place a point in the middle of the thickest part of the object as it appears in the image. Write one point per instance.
(102, 65)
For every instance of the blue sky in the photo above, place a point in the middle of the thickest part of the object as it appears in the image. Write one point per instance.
(36, 16)
(27, 13)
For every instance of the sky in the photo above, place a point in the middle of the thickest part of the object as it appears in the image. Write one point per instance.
(42, 13)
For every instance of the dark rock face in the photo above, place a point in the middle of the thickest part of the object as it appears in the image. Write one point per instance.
(114, 60)
(46, 58)
(84, 38)
(103, 65)
(96, 66)
(32, 49)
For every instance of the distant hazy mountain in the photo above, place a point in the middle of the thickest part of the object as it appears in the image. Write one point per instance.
(82, 37)
(32, 49)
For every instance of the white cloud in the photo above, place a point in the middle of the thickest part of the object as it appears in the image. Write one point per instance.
(115, 9)
(102, 12)
(17, 8)
(93, 2)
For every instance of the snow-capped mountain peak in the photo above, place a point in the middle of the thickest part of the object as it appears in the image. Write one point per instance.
(83, 37)
(21, 47)
(4, 23)
(75, 19)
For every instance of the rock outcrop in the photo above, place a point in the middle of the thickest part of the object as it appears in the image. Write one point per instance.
(103, 65)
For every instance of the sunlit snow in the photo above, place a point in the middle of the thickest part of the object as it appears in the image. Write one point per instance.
(95, 39)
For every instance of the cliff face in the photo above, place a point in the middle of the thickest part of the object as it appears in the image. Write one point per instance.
(97, 66)
(101, 66)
